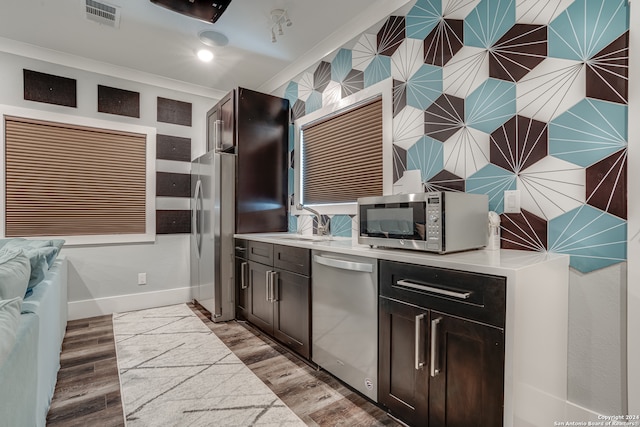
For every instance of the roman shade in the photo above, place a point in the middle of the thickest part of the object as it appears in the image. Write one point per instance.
(342, 155)
(69, 180)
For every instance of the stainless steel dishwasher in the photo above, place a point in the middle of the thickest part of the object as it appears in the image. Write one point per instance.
(344, 314)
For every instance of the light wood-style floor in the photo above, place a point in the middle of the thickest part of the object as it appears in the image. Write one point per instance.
(88, 388)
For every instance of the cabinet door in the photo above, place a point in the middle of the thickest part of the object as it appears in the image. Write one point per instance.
(467, 388)
(261, 309)
(403, 371)
(227, 125)
(292, 310)
(242, 288)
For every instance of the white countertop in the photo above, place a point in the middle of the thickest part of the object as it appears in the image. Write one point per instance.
(496, 262)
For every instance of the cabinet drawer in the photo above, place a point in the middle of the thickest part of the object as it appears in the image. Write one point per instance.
(290, 258)
(473, 296)
(261, 252)
(240, 248)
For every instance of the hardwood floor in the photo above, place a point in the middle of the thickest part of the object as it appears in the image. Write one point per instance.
(88, 388)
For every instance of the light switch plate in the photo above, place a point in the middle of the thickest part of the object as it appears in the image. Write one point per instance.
(512, 201)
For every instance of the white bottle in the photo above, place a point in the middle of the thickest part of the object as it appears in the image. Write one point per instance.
(493, 240)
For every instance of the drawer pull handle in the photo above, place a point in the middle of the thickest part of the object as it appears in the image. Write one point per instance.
(419, 355)
(408, 284)
(268, 286)
(243, 275)
(435, 370)
(274, 286)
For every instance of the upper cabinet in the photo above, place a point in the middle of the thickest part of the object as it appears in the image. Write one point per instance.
(255, 126)
(221, 134)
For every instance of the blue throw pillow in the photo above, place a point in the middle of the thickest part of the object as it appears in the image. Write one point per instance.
(42, 245)
(40, 260)
(9, 320)
(15, 271)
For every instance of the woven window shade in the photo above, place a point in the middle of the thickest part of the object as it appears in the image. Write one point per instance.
(67, 180)
(342, 156)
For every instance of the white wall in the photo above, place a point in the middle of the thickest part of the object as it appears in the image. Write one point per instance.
(597, 340)
(103, 278)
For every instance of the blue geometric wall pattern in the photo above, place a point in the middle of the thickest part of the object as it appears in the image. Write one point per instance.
(422, 18)
(488, 22)
(593, 238)
(489, 106)
(424, 87)
(341, 65)
(529, 95)
(426, 155)
(341, 225)
(586, 27)
(493, 181)
(588, 132)
(378, 70)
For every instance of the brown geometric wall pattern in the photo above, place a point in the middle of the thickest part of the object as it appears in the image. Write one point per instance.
(511, 95)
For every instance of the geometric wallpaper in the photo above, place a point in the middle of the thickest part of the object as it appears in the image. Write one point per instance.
(495, 95)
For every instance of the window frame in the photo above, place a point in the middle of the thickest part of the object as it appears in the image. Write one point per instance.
(150, 185)
(382, 89)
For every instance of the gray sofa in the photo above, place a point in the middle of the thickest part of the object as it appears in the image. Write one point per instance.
(29, 368)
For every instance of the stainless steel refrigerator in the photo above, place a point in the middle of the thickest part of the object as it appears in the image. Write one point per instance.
(212, 227)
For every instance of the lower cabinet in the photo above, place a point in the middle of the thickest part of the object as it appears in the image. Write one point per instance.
(403, 389)
(241, 279)
(438, 370)
(279, 299)
(441, 346)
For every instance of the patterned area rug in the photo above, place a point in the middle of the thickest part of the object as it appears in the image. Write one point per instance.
(175, 372)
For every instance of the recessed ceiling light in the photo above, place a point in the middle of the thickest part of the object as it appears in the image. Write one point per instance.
(205, 55)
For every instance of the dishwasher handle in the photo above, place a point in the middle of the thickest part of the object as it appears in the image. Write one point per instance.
(344, 264)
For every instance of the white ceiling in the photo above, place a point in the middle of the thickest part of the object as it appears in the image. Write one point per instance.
(158, 41)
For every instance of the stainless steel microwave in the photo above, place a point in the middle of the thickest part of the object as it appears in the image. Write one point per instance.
(441, 221)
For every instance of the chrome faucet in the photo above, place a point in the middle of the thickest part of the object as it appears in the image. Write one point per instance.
(322, 227)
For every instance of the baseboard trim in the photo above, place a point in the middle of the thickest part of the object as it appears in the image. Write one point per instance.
(103, 306)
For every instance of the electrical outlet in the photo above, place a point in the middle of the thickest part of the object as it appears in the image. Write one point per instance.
(512, 201)
(142, 278)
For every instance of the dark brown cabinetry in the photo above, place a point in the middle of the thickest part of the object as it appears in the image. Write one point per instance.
(278, 297)
(441, 346)
(221, 125)
(254, 126)
(241, 279)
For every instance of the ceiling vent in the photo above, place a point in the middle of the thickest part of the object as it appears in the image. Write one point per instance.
(103, 13)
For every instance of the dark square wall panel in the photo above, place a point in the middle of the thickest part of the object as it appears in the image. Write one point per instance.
(172, 111)
(173, 148)
(118, 101)
(42, 87)
(173, 184)
(173, 221)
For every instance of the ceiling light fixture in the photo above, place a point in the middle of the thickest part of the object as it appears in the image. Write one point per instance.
(279, 17)
(205, 55)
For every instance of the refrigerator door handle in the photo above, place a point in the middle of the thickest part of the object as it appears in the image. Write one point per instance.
(196, 216)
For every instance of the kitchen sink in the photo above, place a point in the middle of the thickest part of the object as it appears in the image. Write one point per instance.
(305, 238)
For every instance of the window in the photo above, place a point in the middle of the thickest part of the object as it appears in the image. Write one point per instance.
(342, 155)
(86, 184)
(344, 152)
